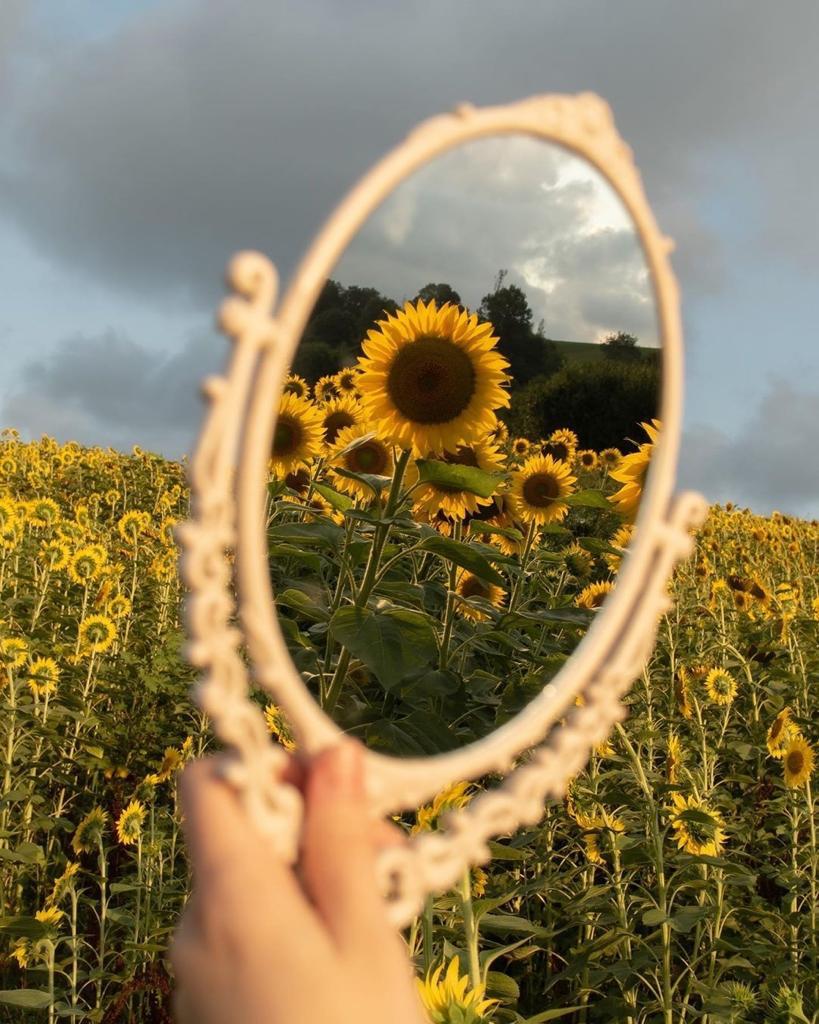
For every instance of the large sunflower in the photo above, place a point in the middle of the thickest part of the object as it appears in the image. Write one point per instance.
(631, 473)
(593, 596)
(538, 487)
(782, 730)
(451, 999)
(431, 377)
(429, 498)
(720, 686)
(298, 435)
(561, 444)
(372, 457)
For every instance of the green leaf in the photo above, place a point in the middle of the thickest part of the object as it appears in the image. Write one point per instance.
(340, 502)
(302, 603)
(588, 499)
(461, 478)
(392, 644)
(541, 1018)
(653, 917)
(30, 998)
(375, 483)
(23, 927)
(686, 917)
(501, 986)
(465, 556)
(317, 534)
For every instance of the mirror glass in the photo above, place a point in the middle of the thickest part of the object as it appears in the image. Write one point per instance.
(462, 446)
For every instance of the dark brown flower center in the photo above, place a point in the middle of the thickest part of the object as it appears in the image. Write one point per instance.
(431, 380)
(796, 762)
(370, 457)
(471, 586)
(557, 449)
(288, 436)
(540, 490)
(298, 481)
(337, 421)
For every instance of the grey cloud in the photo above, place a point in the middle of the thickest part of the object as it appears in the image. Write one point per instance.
(148, 157)
(771, 463)
(109, 390)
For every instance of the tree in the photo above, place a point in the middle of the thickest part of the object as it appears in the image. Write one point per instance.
(621, 346)
(440, 292)
(530, 355)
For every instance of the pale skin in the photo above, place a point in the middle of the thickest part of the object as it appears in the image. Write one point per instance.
(261, 942)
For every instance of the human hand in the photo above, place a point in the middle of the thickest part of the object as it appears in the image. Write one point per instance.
(263, 943)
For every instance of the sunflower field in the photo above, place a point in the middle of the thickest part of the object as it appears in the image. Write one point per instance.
(432, 574)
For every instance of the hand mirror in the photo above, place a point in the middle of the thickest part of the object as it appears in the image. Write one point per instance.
(434, 459)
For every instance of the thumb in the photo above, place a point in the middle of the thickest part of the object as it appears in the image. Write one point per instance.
(338, 857)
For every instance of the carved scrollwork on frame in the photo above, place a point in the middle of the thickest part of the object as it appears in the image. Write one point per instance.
(227, 477)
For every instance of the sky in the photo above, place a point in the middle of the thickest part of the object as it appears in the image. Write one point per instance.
(142, 143)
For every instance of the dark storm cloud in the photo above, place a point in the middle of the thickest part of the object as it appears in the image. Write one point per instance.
(148, 157)
(109, 390)
(771, 463)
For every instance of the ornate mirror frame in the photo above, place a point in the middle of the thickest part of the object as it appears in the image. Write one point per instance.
(228, 475)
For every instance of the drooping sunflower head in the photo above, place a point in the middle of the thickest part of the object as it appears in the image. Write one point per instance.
(470, 586)
(593, 596)
(89, 831)
(578, 561)
(673, 759)
(431, 377)
(356, 452)
(702, 833)
(129, 823)
(781, 732)
(538, 487)
(797, 761)
(297, 437)
(338, 413)
(720, 686)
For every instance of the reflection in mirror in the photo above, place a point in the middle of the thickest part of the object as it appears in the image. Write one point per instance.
(462, 446)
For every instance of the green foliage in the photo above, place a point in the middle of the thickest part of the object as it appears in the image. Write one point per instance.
(603, 401)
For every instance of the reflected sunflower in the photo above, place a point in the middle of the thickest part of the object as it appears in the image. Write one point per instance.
(430, 499)
(593, 596)
(337, 414)
(469, 586)
(780, 733)
(372, 457)
(538, 487)
(797, 762)
(700, 834)
(431, 377)
(631, 473)
(297, 438)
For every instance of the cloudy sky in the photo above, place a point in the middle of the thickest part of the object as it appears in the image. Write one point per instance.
(142, 142)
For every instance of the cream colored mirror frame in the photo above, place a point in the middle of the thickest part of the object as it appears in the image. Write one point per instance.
(228, 475)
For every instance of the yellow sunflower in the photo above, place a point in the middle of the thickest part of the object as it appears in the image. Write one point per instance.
(172, 761)
(610, 457)
(797, 761)
(278, 727)
(451, 999)
(469, 586)
(132, 524)
(296, 385)
(89, 831)
(8, 514)
(631, 473)
(521, 446)
(97, 633)
(119, 606)
(588, 459)
(431, 377)
(673, 759)
(429, 499)
(337, 414)
(538, 487)
(42, 676)
(452, 798)
(593, 596)
(43, 512)
(54, 554)
(578, 561)
(129, 823)
(720, 686)
(697, 836)
(620, 540)
(13, 652)
(298, 435)
(347, 381)
(780, 733)
(372, 457)
(84, 565)
(326, 388)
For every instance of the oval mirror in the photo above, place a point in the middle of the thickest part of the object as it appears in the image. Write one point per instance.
(462, 444)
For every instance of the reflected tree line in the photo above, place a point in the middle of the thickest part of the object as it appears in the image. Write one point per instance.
(600, 390)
